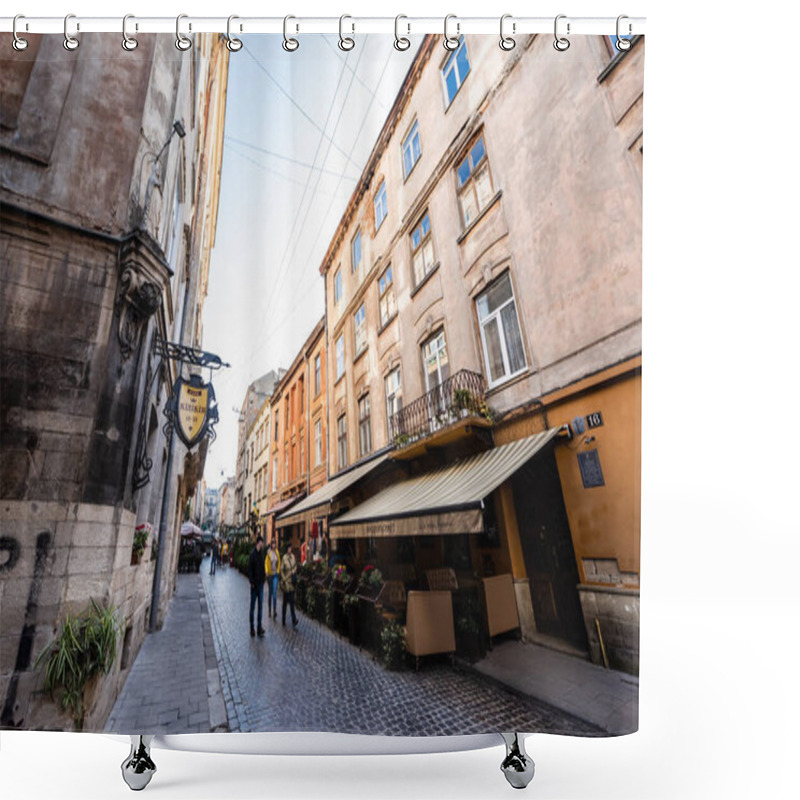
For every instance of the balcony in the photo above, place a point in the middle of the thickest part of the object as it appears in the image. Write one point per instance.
(448, 412)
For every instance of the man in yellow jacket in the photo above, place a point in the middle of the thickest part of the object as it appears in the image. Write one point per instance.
(272, 566)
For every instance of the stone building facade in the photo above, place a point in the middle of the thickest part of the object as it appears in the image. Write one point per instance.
(484, 284)
(297, 410)
(256, 396)
(109, 187)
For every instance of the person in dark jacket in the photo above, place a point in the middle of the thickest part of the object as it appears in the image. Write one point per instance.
(257, 576)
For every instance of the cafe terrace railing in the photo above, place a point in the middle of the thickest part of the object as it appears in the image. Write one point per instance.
(462, 395)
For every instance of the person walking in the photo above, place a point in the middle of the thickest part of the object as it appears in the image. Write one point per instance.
(257, 576)
(272, 565)
(214, 555)
(288, 571)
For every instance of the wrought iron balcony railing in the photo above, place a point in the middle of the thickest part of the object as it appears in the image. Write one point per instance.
(458, 397)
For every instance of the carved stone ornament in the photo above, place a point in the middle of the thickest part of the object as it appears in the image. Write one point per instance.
(142, 276)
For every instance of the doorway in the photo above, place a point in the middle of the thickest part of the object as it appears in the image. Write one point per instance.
(548, 551)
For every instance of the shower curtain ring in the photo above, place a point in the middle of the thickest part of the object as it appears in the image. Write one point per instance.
(506, 42)
(623, 44)
(233, 44)
(182, 42)
(128, 42)
(401, 42)
(561, 43)
(346, 42)
(290, 45)
(451, 42)
(18, 43)
(70, 42)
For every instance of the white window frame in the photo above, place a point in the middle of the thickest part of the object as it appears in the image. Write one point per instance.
(496, 314)
(420, 249)
(341, 441)
(364, 426)
(340, 366)
(381, 205)
(408, 147)
(317, 442)
(384, 295)
(470, 184)
(354, 265)
(360, 329)
(394, 399)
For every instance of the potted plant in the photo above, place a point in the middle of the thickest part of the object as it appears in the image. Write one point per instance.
(85, 648)
(140, 537)
(401, 440)
(371, 582)
(468, 624)
(350, 608)
(393, 645)
(464, 401)
(486, 411)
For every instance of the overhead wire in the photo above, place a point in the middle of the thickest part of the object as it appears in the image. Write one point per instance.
(283, 264)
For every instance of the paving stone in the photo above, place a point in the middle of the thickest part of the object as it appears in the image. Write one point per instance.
(310, 678)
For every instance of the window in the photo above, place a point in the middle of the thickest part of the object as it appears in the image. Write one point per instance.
(337, 287)
(361, 330)
(422, 249)
(435, 361)
(388, 305)
(474, 182)
(412, 150)
(276, 427)
(317, 374)
(455, 69)
(302, 467)
(394, 396)
(285, 464)
(340, 357)
(341, 438)
(502, 343)
(381, 207)
(355, 253)
(364, 434)
(317, 442)
(301, 397)
(275, 474)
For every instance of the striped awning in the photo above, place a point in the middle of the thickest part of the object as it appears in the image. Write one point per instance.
(318, 502)
(445, 501)
(283, 504)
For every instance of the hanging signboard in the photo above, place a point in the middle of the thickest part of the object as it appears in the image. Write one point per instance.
(195, 409)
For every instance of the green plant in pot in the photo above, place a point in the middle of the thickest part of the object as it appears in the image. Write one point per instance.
(464, 401)
(85, 647)
(140, 536)
(393, 645)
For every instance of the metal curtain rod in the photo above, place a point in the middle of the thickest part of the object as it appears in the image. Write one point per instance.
(415, 25)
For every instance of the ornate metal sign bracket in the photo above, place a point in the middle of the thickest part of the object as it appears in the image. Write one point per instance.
(193, 425)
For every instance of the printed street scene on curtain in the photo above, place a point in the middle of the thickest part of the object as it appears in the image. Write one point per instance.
(320, 386)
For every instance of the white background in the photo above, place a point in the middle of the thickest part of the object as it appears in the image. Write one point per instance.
(719, 696)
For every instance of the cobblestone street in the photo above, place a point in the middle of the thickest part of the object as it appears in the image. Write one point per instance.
(311, 679)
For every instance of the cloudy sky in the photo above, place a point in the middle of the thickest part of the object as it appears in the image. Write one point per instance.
(298, 131)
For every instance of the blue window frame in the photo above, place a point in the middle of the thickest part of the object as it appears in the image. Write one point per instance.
(337, 287)
(455, 70)
(381, 207)
(356, 252)
(412, 150)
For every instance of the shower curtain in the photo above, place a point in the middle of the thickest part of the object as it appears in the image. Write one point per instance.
(321, 376)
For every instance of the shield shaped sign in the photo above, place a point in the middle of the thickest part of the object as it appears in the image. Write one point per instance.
(193, 403)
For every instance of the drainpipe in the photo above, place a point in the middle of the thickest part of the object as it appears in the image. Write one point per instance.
(162, 524)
